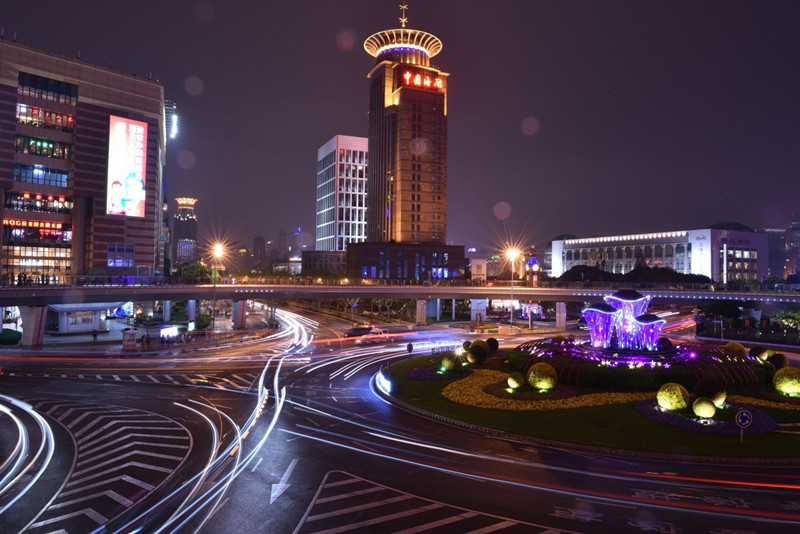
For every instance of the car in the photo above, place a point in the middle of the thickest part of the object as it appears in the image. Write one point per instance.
(357, 331)
(376, 335)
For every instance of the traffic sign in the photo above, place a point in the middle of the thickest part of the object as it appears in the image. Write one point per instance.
(743, 419)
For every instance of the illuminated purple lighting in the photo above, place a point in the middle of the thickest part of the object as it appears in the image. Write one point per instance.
(622, 322)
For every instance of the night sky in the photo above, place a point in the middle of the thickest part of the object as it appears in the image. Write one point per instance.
(583, 117)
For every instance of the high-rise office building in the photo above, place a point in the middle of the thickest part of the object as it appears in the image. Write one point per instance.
(341, 192)
(81, 154)
(407, 178)
(184, 232)
(260, 253)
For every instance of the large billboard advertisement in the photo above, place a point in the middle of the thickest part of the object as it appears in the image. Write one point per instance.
(127, 157)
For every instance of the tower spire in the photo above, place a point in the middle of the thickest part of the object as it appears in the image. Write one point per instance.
(403, 19)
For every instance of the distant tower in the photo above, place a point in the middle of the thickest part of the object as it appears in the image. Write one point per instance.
(171, 118)
(184, 227)
(282, 247)
(407, 179)
(259, 253)
(341, 192)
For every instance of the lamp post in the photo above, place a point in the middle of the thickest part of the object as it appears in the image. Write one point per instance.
(512, 254)
(218, 252)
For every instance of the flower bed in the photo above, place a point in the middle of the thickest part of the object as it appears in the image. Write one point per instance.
(472, 392)
(762, 423)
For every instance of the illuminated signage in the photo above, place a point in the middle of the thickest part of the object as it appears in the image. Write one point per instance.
(22, 223)
(423, 81)
(127, 157)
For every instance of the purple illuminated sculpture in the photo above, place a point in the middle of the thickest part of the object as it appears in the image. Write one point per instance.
(621, 323)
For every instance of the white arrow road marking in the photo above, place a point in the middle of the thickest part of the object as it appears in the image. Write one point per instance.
(280, 487)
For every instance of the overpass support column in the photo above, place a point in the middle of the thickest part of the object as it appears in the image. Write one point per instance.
(453, 310)
(167, 313)
(561, 315)
(33, 323)
(191, 310)
(434, 308)
(477, 308)
(239, 314)
(421, 317)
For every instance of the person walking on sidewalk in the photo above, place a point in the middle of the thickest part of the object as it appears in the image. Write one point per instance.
(94, 335)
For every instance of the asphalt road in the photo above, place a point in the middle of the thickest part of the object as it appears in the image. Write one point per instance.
(325, 453)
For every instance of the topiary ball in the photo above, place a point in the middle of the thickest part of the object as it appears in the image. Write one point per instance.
(711, 388)
(558, 340)
(542, 376)
(482, 344)
(476, 354)
(704, 407)
(493, 345)
(450, 363)
(735, 348)
(516, 380)
(755, 351)
(787, 381)
(778, 360)
(672, 396)
(466, 345)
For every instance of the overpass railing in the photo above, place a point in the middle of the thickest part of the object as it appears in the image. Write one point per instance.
(124, 281)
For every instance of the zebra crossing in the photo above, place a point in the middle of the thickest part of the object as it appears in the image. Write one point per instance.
(241, 382)
(122, 454)
(347, 503)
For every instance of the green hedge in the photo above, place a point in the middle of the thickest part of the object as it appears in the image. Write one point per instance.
(10, 337)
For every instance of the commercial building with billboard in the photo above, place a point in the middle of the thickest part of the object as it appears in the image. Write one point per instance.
(81, 154)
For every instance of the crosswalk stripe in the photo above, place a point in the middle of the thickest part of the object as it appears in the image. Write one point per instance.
(367, 506)
(501, 526)
(351, 494)
(154, 379)
(383, 519)
(135, 378)
(116, 377)
(435, 524)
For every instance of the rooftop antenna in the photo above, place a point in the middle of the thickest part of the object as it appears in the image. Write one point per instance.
(2, 32)
(15, 37)
(403, 19)
(78, 55)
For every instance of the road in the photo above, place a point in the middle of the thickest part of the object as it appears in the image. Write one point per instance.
(322, 452)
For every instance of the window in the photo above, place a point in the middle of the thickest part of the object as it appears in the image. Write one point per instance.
(47, 89)
(120, 255)
(44, 118)
(43, 147)
(39, 174)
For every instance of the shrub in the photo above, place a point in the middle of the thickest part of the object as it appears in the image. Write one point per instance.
(672, 396)
(755, 351)
(516, 358)
(704, 407)
(542, 376)
(664, 344)
(482, 344)
(516, 380)
(711, 388)
(558, 340)
(10, 337)
(778, 360)
(493, 345)
(450, 363)
(735, 348)
(787, 381)
(466, 345)
(476, 354)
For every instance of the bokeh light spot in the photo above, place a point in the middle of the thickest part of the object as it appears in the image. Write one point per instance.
(502, 210)
(530, 126)
(419, 147)
(346, 40)
(193, 85)
(186, 159)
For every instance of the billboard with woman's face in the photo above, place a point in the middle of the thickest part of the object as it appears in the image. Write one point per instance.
(127, 158)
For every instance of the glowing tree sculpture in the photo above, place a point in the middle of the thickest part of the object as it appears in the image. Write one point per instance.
(623, 318)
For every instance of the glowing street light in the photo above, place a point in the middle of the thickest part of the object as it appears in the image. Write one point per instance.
(512, 254)
(218, 251)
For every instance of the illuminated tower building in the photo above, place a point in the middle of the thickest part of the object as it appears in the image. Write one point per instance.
(407, 178)
(341, 192)
(184, 226)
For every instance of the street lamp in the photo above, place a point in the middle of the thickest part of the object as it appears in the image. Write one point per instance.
(218, 252)
(512, 254)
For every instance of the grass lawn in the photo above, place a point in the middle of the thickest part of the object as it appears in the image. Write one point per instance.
(616, 426)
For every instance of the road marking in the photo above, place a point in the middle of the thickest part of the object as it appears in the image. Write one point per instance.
(108, 493)
(118, 468)
(257, 464)
(501, 526)
(154, 379)
(116, 377)
(135, 378)
(351, 494)
(341, 483)
(367, 506)
(94, 516)
(378, 520)
(278, 489)
(439, 523)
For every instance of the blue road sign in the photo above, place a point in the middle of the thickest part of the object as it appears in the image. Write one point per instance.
(743, 418)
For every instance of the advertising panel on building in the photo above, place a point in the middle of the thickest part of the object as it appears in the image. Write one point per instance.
(127, 154)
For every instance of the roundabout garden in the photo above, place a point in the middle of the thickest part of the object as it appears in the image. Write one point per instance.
(635, 393)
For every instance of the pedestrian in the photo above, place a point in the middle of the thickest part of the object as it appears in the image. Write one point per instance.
(94, 336)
